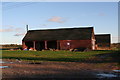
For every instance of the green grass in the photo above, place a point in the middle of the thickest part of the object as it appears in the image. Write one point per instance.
(65, 56)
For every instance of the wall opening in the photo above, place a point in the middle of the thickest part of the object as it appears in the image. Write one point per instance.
(40, 45)
(52, 44)
(29, 44)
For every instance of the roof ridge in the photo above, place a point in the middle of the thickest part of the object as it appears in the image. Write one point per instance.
(63, 28)
(102, 34)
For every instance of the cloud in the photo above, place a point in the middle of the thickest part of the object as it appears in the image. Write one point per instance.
(19, 34)
(6, 30)
(11, 29)
(9, 26)
(57, 19)
(18, 29)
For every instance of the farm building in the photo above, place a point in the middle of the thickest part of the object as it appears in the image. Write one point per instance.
(62, 39)
(103, 41)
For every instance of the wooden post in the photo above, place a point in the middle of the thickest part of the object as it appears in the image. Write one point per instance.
(46, 45)
(34, 45)
(58, 44)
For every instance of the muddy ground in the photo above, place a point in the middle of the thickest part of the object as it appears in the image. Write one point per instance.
(24, 70)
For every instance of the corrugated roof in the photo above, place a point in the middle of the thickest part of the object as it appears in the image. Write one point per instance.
(59, 34)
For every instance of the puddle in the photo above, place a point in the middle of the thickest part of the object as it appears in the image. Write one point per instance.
(2, 62)
(3, 66)
(5, 62)
(117, 71)
(106, 75)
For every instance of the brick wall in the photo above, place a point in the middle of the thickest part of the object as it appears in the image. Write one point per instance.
(71, 44)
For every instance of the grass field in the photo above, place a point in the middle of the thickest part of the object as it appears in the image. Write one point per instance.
(59, 64)
(65, 56)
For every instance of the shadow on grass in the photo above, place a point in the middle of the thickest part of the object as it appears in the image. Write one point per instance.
(109, 57)
(99, 58)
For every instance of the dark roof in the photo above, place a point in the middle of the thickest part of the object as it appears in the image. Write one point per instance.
(102, 38)
(59, 34)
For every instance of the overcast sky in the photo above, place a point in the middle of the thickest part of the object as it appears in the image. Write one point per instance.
(103, 16)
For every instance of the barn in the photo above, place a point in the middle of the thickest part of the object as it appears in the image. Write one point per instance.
(61, 39)
(103, 41)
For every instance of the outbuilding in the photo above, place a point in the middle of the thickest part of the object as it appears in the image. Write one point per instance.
(61, 39)
(103, 41)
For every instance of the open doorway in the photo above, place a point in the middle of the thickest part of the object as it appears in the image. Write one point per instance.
(52, 44)
(40, 45)
(29, 44)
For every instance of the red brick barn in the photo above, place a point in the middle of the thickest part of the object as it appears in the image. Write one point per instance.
(62, 39)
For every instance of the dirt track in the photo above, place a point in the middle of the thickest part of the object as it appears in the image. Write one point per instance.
(53, 70)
